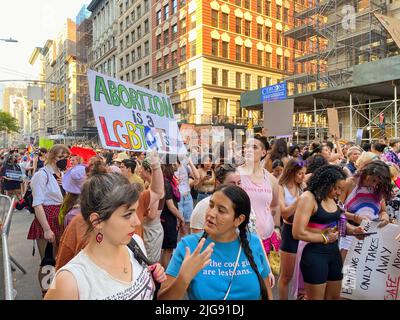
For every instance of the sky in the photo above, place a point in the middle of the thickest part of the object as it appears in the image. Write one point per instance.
(32, 23)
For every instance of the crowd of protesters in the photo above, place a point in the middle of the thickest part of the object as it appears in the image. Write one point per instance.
(131, 225)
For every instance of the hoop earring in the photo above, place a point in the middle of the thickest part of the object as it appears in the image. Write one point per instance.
(99, 237)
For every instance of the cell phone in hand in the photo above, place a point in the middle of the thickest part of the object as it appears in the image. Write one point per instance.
(364, 234)
(209, 173)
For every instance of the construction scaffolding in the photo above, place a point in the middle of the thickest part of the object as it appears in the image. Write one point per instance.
(338, 36)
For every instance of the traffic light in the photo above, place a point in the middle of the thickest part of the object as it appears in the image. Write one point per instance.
(62, 97)
(53, 94)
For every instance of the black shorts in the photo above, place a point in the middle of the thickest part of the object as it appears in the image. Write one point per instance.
(288, 244)
(169, 223)
(321, 263)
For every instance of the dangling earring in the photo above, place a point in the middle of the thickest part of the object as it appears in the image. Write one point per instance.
(99, 237)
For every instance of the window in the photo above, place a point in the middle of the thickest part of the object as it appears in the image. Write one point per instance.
(139, 52)
(278, 12)
(174, 84)
(146, 48)
(279, 37)
(214, 18)
(139, 11)
(158, 17)
(146, 26)
(238, 80)
(133, 56)
(267, 8)
(133, 16)
(238, 53)
(238, 25)
(247, 29)
(193, 48)
(139, 32)
(247, 81)
(121, 64)
(159, 65)
(166, 61)
(214, 47)
(259, 82)
(128, 77)
(259, 57)
(285, 14)
(286, 64)
(166, 86)
(219, 107)
(139, 73)
(285, 41)
(247, 4)
(159, 87)
(121, 9)
(146, 68)
(174, 6)
(225, 74)
(121, 45)
(133, 36)
(183, 26)
(259, 31)
(214, 76)
(127, 59)
(174, 58)
(127, 40)
(166, 37)
(133, 75)
(158, 45)
(259, 6)
(174, 32)
(268, 34)
(267, 81)
(193, 77)
(183, 80)
(146, 5)
(225, 49)
(247, 55)
(225, 21)
(267, 59)
(166, 11)
(193, 22)
(183, 53)
(238, 3)
(279, 62)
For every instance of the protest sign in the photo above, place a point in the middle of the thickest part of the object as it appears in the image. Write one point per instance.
(278, 117)
(372, 266)
(333, 122)
(46, 143)
(132, 118)
(14, 175)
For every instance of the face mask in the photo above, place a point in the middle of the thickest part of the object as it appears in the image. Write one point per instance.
(62, 164)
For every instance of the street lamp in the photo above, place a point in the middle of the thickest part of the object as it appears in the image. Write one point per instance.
(9, 40)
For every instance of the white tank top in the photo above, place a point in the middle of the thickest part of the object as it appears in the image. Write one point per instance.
(289, 199)
(94, 283)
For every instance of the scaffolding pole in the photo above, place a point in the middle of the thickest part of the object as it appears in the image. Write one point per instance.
(351, 117)
(315, 118)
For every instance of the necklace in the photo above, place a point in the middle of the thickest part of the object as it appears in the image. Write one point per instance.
(124, 268)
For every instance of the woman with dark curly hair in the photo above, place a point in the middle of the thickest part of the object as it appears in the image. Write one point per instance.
(315, 224)
(365, 196)
(279, 152)
(313, 163)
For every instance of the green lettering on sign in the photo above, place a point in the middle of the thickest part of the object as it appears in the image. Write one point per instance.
(101, 89)
(158, 104)
(126, 102)
(114, 93)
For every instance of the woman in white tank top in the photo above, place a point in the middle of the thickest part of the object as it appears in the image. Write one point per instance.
(106, 268)
(290, 188)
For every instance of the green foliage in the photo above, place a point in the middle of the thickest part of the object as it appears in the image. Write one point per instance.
(8, 123)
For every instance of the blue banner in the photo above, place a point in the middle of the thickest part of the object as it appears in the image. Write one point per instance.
(275, 92)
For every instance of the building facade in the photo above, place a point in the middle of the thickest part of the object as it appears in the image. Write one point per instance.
(206, 53)
(103, 54)
(134, 42)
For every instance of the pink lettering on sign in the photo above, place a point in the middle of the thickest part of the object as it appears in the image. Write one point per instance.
(392, 288)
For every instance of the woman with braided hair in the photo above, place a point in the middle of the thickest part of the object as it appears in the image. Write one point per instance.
(315, 224)
(232, 266)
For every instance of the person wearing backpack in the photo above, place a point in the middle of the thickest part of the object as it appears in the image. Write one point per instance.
(12, 177)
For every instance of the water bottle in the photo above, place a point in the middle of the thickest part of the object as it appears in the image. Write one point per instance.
(342, 225)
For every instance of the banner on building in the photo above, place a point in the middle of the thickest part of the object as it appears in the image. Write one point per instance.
(133, 118)
(372, 266)
(278, 117)
(333, 122)
(392, 25)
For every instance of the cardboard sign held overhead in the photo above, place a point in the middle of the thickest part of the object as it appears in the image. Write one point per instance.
(333, 122)
(278, 117)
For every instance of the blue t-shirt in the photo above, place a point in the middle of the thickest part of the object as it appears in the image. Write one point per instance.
(212, 282)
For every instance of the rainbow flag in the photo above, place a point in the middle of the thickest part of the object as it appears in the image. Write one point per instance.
(30, 149)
